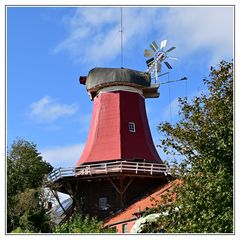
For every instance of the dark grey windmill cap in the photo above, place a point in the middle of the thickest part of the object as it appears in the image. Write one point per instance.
(99, 78)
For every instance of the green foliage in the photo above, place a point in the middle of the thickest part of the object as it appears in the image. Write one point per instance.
(33, 215)
(20, 230)
(204, 139)
(25, 167)
(83, 224)
(25, 173)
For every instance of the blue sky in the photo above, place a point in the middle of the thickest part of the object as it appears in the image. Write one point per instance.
(48, 48)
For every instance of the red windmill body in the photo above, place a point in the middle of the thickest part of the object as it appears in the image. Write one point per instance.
(119, 130)
(119, 127)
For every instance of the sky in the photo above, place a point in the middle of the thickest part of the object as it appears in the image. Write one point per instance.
(48, 48)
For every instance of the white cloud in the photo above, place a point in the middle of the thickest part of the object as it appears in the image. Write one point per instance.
(49, 110)
(201, 28)
(94, 37)
(63, 156)
(94, 33)
(86, 36)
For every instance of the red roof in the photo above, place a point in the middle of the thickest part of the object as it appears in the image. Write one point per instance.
(142, 204)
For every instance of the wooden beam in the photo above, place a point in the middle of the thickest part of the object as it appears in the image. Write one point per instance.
(128, 184)
(58, 200)
(115, 186)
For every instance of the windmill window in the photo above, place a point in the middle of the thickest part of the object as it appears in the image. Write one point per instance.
(131, 127)
(103, 203)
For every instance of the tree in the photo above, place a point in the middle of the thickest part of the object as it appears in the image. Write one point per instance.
(30, 210)
(83, 224)
(26, 167)
(203, 138)
(25, 172)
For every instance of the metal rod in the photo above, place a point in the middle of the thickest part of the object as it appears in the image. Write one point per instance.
(160, 75)
(182, 79)
(170, 100)
(121, 40)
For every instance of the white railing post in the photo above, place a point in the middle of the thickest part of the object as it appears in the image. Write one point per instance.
(137, 168)
(56, 174)
(151, 168)
(59, 174)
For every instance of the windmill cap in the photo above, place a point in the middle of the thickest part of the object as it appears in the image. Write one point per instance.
(101, 77)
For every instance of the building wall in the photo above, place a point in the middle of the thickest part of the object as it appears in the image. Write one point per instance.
(121, 229)
(136, 209)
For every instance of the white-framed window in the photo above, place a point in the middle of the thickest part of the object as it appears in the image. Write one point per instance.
(103, 203)
(124, 228)
(132, 127)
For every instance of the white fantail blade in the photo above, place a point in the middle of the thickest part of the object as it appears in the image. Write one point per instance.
(173, 58)
(148, 53)
(154, 46)
(170, 49)
(163, 44)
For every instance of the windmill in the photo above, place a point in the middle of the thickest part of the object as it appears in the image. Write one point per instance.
(156, 56)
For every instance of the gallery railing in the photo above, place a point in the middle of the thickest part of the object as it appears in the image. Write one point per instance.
(110, 167)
